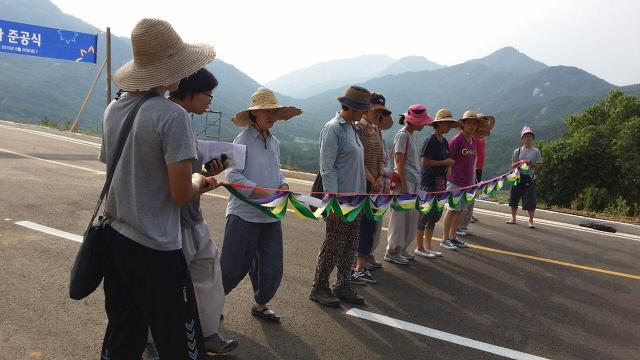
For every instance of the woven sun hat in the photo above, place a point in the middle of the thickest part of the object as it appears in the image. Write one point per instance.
(160, 57)
(264, 99)
(470, 115)
(527, 130)
(445, 116)
(418, 115)
(487, 122)
(356, 98)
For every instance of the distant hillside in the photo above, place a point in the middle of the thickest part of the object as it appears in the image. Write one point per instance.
(329, 74)
(410, 63)
(509, 59)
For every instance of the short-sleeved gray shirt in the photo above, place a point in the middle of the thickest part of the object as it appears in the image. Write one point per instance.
(406, 141)
(139, 202)
(532, 154)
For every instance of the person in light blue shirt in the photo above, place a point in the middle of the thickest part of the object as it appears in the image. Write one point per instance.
(342, 171)
(253, 241)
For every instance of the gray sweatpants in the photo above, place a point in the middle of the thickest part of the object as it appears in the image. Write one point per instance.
(402, 226)
(203, 260)
(465, 218)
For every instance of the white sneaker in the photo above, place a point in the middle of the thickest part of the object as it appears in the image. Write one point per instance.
(462, 232)
(531, 226)
(424, 254)
(436, 253)
(511, 221)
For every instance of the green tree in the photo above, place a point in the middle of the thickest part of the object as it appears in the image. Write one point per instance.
(600, 154)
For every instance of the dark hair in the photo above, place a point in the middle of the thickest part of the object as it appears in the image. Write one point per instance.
(401, 121)
(198, 82)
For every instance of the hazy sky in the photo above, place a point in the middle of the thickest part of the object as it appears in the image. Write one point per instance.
(266, 39)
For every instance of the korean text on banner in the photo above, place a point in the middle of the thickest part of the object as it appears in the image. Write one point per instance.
(33, 40)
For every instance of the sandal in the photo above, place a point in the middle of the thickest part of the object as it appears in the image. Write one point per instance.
(266, 315)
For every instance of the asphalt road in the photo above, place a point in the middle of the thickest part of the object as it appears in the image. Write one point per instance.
(558, 292)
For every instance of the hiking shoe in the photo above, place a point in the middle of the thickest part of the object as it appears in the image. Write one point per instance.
(406, 255)
(357, 277)
(348, 295)
(447, 244)
(368, 278)
(395, 258)
(216, 344)
(459, 243)
(462, 232)
(424, 254)
(324, 296)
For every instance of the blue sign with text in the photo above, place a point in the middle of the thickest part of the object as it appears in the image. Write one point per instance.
(33, 40)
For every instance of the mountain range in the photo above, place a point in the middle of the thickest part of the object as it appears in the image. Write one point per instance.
(315, 79)
(518, 90)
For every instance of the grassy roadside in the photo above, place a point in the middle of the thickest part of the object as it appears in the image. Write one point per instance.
(502, 197)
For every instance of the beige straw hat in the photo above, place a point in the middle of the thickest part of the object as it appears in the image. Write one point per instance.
(445, 116)
(487, 122)
(160, 57)
(265, 99)
(469, 115)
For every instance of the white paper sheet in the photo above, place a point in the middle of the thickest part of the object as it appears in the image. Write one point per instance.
(208, 150)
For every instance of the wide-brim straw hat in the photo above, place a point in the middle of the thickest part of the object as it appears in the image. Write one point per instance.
(160, 57)
(470, 115)
(265, 99)
(356, 98)
(445, 116)
(487, 122)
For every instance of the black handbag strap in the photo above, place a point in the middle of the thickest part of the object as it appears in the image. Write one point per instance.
(122, 139)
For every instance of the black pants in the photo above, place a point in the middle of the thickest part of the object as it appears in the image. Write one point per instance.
(478, 175)
(146, 288)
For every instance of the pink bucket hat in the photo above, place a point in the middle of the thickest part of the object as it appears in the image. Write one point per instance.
(417, 115)
(526, 130)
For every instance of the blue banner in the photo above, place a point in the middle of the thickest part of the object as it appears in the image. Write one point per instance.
(33, 40)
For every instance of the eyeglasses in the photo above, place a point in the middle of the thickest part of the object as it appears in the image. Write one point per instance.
(209, 95)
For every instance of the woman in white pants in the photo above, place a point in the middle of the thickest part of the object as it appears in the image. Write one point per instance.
(403, 224)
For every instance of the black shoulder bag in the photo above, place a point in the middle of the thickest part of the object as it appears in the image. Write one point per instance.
(87, 271)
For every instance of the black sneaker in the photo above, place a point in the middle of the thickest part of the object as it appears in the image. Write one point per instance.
(357, 277)
(368, 278)
(459, 243)
(216, 344)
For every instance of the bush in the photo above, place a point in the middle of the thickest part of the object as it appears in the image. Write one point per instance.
(592, 199)
(618, 207)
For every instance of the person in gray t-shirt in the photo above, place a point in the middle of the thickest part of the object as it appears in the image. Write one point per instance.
(527, 159)
(203, 258)
(146, 280)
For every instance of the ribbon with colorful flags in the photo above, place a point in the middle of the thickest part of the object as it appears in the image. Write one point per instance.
(347, 207)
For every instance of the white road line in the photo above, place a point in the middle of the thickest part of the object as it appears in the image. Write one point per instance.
(95, 172)
(441, 335)
(524, 219)
(50, 231)
(53, 136)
